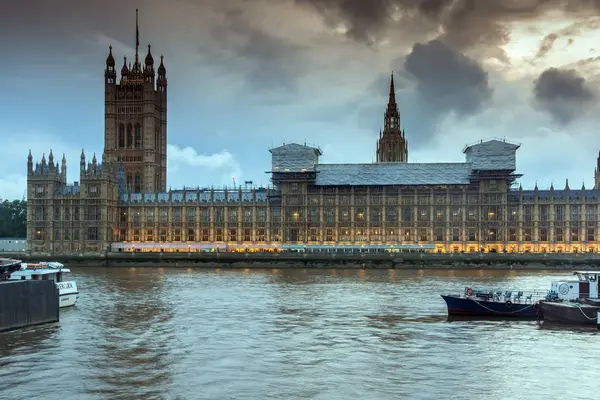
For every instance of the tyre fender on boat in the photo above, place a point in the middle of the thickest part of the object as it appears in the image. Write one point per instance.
(469, 291)
(508, 303)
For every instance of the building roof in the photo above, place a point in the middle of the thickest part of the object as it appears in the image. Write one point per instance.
(393, 174)
(492, 155)
(294, 157)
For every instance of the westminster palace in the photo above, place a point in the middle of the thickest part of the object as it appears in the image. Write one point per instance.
(121, 204)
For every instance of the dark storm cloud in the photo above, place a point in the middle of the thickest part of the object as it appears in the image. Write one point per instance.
(447, 79)
(267, 61)
(432, 81)
(463, 22)
(365, 19)
(69, 32)
(563, 93)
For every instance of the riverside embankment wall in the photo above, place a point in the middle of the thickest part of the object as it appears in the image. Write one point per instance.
(27, 303)
(326, 260)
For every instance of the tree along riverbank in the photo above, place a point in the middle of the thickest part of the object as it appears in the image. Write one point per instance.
(324, 260)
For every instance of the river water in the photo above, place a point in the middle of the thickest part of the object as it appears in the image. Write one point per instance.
(143, 333)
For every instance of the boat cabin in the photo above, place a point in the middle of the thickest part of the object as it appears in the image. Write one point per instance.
(40, 271)
(586, 286)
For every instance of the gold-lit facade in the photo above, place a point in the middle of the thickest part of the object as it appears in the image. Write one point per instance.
(120, 203)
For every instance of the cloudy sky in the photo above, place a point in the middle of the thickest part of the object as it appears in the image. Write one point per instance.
(246, 75)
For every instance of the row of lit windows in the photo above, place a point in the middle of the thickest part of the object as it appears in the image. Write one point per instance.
(356, 235)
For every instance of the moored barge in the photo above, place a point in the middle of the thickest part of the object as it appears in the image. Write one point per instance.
(573, 301)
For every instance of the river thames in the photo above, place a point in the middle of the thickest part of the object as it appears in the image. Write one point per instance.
(143, 333)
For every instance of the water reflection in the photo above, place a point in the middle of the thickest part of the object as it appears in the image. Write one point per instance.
(281, 333)
(134, 333)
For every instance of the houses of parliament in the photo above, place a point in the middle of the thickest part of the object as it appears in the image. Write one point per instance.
(120, 202)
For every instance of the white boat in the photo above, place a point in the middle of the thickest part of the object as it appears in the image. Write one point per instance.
(67, 290)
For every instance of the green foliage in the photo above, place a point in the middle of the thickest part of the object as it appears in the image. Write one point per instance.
(13, 218)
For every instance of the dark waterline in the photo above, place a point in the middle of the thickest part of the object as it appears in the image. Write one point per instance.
(292, 334)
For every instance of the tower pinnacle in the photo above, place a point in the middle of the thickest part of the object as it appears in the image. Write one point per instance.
(392, 91)
(392, 145)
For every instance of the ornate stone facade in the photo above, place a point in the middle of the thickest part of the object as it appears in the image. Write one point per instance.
(121, 204)
(392, 145)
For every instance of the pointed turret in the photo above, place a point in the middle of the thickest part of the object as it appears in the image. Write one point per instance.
(392, 146)
(597, 173)
(392, 99)
(567, 184)
(63, 168)
(552, 186)
(110, 74)
(51, 159)
(536, 186)
(149, 67)
(110, 60)
(162, 76)
(82, 162)
(583, 186)
(392, 116)
(161, 68)
(124, 69)
(29, 163)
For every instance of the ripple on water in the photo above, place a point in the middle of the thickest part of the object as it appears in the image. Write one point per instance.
(273, 334)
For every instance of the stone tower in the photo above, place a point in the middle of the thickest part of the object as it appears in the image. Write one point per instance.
(392, 145)
(135, 118)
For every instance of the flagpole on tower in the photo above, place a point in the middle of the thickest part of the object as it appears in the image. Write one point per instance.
(137, 33)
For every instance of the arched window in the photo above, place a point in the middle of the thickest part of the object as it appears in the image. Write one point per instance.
(129, 136)
(121, 136)
(138, 136)
(156, 141)
(129, 181)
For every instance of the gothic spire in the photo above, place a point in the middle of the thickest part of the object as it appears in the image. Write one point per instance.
(392, 91)
(392, 116)
(110, 60)
(161, 68)
(149, 59)
(124, 70)
(392, 146)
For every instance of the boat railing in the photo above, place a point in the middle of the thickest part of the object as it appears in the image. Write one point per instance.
(515, 296)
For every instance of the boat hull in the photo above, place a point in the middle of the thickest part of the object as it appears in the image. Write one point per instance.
(68, 293)
(569, 313)
(467, 306)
